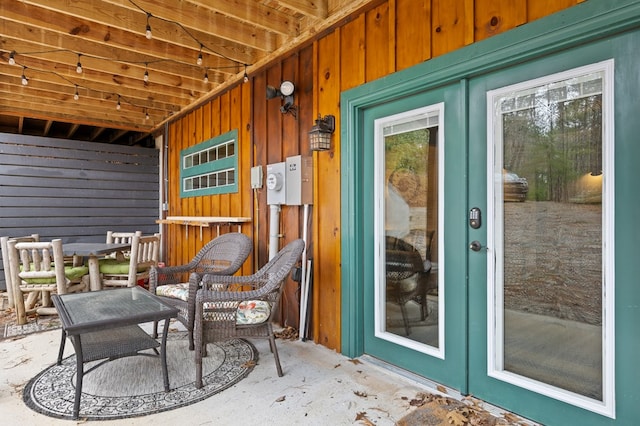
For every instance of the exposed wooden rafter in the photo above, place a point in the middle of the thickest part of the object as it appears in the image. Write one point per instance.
(47, 38)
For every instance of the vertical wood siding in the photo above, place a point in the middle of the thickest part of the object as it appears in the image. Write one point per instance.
(76, 191)
(389, 37)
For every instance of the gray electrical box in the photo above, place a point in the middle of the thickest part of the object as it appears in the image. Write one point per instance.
(299, 178)
(256, 177)
(276, 184)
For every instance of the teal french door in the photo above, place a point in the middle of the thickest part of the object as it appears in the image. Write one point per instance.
(414, 307)
(490, 218)
(541, 169)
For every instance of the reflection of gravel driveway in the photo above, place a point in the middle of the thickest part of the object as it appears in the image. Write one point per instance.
(554, 259)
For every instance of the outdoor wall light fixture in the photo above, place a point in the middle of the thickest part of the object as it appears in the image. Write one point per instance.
(286, 94)
(320, 133)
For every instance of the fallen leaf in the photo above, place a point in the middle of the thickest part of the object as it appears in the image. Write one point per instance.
(511, 417)
(416, 402)
(441, 389)
(419, 400)
(282, 398)
(249, 364)
(362, 417)
(457, 419)
(360, 394)
(355, 361)
(287, 333)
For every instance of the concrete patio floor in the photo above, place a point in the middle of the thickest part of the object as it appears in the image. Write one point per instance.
(319, 387)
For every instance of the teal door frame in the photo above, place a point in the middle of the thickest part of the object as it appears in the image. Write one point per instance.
(581, 24)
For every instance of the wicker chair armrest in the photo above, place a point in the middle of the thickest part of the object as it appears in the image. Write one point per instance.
(179, 269)
(203, 295)
(166, 275)
(194, 285)
(214, 281)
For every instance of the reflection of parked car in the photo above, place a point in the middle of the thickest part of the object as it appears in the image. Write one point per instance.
(515, 187)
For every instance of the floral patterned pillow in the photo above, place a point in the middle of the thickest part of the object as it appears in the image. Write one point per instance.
(253, 312)
(248, 312)
(176, 291)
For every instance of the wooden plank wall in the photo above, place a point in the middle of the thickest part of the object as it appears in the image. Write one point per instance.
(389, 37)
(76, 191)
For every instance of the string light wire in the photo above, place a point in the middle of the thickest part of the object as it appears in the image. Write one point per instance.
(185, 30)
(148, 35)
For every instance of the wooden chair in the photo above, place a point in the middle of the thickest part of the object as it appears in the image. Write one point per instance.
(241, 306)
(145, 251)
(5, 262)
(223, 255)
(121, 238)
(38, 267)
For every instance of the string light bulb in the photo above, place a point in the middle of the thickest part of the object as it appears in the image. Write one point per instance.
(79, 69)
(147, 32)
(76, 95)
(199, 60)
(146, 114)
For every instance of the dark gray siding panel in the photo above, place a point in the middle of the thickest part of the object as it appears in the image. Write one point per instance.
(75, 190)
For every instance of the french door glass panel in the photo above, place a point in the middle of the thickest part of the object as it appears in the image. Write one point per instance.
(551, 191)
(409, 307)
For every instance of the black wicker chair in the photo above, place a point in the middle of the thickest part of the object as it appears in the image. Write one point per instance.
(224, 255)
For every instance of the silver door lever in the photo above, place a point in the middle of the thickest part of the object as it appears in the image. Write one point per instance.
(476, 246)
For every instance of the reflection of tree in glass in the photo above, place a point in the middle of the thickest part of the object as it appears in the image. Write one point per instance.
(406, 157)
(405, 181)
(407, 151)
(553, 142)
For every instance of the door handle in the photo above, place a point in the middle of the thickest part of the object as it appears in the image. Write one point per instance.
(476, 246)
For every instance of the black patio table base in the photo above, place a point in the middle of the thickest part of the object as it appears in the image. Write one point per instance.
(103, 325)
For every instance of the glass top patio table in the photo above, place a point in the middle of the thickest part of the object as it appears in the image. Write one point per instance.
(104, 325)
(91, 311)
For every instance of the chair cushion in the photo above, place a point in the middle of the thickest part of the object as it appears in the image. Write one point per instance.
(71, 272)
(253, 312)
(248, 312)
(175, 291)
(115, 267)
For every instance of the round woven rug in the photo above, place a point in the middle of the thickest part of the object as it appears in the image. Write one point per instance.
(133, 386)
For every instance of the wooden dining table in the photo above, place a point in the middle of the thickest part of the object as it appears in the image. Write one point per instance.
(93, 251)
